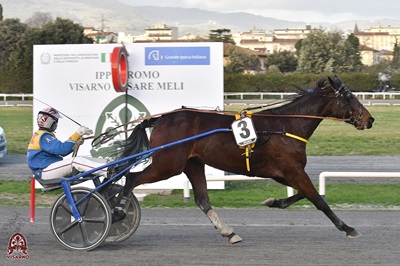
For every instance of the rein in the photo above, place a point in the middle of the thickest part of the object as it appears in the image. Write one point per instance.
(110, 134)
(346, 95)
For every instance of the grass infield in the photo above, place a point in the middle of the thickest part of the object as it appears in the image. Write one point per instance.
(330, 138)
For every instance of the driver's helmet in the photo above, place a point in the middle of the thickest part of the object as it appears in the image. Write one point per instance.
(48, 119)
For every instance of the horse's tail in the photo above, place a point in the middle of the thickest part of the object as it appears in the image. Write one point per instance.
(138, 141)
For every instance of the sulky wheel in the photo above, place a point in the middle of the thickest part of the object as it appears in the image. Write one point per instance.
(94, 227)
(125, 228)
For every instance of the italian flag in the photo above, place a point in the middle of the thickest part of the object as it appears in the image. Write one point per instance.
(105, 57)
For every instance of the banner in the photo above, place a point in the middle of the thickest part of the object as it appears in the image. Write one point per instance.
(76, 80)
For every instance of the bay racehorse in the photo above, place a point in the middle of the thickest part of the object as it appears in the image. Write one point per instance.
(279, 152)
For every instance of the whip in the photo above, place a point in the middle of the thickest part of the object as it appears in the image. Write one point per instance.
(58, 111)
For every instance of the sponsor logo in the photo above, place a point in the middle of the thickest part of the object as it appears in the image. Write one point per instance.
(177, 55)
(17, 247)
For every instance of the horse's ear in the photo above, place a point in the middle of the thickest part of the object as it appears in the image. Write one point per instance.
(331, 82)
(335, 78)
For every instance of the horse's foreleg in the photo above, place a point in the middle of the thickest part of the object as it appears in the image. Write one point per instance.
(195, 172)
(306, 188)
(282, 203)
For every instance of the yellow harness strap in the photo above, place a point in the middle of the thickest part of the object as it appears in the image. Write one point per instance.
(248, 148)
(296, 137)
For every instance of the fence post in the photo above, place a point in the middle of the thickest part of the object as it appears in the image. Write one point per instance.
(33, 194)
(186, 191)
(290, 191)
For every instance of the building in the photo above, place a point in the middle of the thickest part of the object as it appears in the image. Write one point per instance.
(381, 38)
(161, 32)
(376, 44)
(100, 36)
(294, 34)
(271, 42)
(378, 41)
(368, 55)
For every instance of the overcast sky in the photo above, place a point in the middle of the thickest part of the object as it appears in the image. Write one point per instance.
(292, 10)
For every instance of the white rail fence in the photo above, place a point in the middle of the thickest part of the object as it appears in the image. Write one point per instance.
(324, 175)
(186, 185)
(244, 95)
(18, 96)
(290, 191)
(282, 95)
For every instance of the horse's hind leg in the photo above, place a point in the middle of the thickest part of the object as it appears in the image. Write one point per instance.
(282, 203)
(195, 172)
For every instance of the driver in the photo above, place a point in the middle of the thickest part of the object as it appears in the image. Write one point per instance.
(45, 152)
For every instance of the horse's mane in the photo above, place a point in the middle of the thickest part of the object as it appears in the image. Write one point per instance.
(301, 93)
(319, 87)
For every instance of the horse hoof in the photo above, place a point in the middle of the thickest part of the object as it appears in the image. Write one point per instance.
(268, 202)
(353, 234)
(234, 238)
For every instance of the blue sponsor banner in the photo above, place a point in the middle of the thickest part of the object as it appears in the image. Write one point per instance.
(177, 56)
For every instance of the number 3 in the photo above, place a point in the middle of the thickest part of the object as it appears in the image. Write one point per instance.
(245, 131)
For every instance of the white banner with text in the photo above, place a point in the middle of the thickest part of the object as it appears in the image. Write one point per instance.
(76, 80)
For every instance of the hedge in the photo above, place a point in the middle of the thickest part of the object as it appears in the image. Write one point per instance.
(361, 82)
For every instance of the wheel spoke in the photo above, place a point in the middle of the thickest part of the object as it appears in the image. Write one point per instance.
(67, 228)
(83, 205)
(83, 229)
(66, 207)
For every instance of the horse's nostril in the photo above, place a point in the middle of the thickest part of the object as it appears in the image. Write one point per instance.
(370, 121)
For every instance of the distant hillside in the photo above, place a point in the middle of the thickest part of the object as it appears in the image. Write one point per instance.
(112, 15)
(203, 20)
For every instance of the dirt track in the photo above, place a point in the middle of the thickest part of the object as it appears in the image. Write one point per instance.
(186, 237)
(13, 167)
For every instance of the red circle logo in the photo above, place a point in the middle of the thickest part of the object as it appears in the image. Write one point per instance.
(119, 69)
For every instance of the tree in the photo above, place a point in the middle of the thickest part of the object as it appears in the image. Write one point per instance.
(342, 59)
(21, 40)
(315, 52)
(221, 35)
(11, 36)
(285, 61)
(396, 56)
(38, 19)
(62, 31)
(298, 45)
(1, 12)
(11, 32)
(328, 52)
(355, 43)
(241, 61)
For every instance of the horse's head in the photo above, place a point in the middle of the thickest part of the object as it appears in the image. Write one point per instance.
(355, 113)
